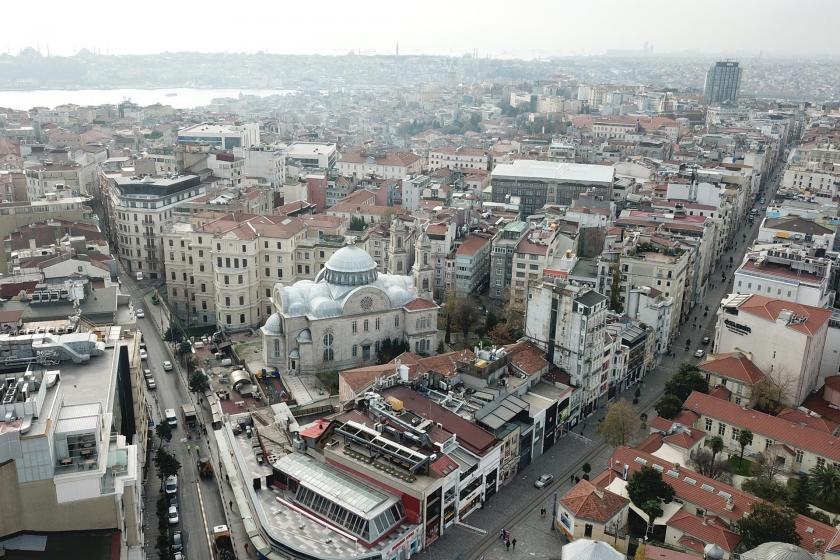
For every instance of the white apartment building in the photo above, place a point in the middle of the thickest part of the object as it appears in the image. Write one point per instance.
(52, 178)
(264, 165)
(221, 136)
(388, 165)
(312, 155)
(72, 446)
(783, 339)
(137, 209)
(569, 323)
(531, 255)
(787, 272)
(431, 250)
(613, 130)
(653, 308)
(459, 158)
(227, 168)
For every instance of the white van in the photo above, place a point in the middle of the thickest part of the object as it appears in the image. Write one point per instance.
(139, 275)
(171, 417)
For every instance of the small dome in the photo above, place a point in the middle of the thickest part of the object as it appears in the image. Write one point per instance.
(777, 551)
(399, 296)
(296, 309)
(713, 552)
(304, 336)
(324, 307)
(349, 266)
(273, 325)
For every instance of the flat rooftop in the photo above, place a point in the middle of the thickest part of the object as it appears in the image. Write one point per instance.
(554, 171)
(207, 129)
(310, 148)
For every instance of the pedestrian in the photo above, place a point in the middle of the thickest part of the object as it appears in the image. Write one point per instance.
(542, 512)
(231, 505)
(513, 542)
(572, 479)
(502, 535)
(246, 547)
(507, 545)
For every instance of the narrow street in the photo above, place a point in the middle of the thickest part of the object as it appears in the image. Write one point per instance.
(516, 507)
(200, 506)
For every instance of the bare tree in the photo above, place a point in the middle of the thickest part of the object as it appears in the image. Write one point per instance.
(705, 463)
(775, 389)
(620, 424)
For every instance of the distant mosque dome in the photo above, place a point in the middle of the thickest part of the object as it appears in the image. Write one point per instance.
(349, 266)
(777, 551)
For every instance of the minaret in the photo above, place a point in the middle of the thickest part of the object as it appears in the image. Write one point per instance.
(398, 49)
(423, 271)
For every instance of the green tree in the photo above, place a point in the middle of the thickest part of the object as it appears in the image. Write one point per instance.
(357, 223)
(799, 495)
(649, 491)
(686, 380)
(767, 523)
(620, 424)
(668, 406)
(465, 315)
(586, 468)
(390, 348)
(199, 383)
(825, 483)
(184, 347)
(163, 432)
(166, 463)
(173, 335)
(491, 321)
(767, 488)
(745, 438)
(449, 313)
(716, 445)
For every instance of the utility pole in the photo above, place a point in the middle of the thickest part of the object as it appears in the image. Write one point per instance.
(554, 511)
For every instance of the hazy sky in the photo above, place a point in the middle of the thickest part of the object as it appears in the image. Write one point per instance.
(506, 28)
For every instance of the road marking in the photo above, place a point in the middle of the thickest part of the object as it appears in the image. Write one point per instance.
(204, 519)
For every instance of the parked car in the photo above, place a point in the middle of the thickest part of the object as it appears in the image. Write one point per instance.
(147, 373)
(143, 354)
(177, 542)
(173, 515)
(543, 481)
(167, 366)
(171, 484)
(151, 383)
(706, 340)
(139, 313)
(699, 353)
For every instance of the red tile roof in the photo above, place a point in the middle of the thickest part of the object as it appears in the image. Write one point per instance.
(780, 430)
(709, 530)
(779, 270)
(586, 501)
(709, 500)
(769, 309)
(733, 365)
(527, 357)
(720, 392)
(685, 440)
(821, 424)
(471, 245)
(420, 303)
(657, 553)
(528, 247)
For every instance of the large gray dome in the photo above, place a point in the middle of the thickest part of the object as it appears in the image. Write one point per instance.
(777, 551)
(349, 266)
(273, 325)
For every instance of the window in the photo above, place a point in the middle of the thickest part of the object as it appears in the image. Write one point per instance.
(241, 300)
(204, 305)
(227, 301)
(355, 350)
(366, 326)
(268, 273)
(227, 319)
(355, 327)
(377, 323)
(328, 347)
(820, 462)
(708, 424)
(268, 292)
(768, 443)
(397, 321)
(721, 428)
(798, 456)
(736, 432)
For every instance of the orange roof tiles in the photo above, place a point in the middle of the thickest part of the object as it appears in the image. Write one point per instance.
(471, 245)
(707, 530)
(420, 303)
(733, 365)
(769, 309)
(586, 501)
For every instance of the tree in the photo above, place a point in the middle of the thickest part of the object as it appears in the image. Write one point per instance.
(706, 464)
(199, 383)
(491, 320)
(768, 489)
(767, 523)
(686, 380)
(640, 552)
(390, 348)
(745, 438)
(668, 406)
(649, 491)
(357, 223)
(620, 424)
(825, 483)
(449, 312)
(166, 463)
(586, 468)
(799, 495)
(163, 432)
(465, 315)
(716, 445)
(500, 335)
(173, 335)
(184, 347)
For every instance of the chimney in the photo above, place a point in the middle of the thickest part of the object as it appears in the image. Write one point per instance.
(32, 243)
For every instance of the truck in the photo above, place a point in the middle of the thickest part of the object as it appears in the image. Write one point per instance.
(188, 411)
(222, 543)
